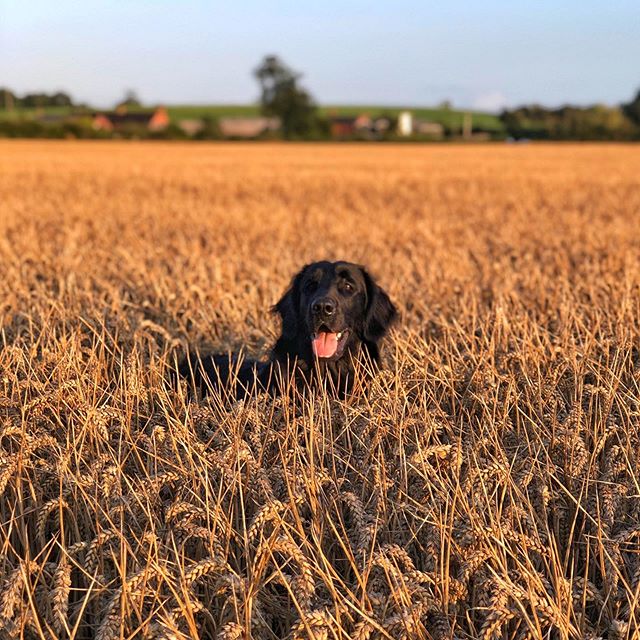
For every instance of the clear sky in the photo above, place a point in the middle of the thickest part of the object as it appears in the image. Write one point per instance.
(398, 52)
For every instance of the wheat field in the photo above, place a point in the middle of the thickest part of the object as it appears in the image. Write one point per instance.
(488, 484)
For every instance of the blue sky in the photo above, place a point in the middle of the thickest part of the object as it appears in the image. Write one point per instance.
(476, 54)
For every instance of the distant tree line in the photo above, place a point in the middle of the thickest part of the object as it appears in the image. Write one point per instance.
(9, 100)
(597, 122)
(31, 128)
(282, 96)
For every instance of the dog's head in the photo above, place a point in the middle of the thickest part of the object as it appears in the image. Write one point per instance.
(331, 307)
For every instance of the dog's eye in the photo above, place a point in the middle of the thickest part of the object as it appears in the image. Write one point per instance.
(311, 286)
(347, 286)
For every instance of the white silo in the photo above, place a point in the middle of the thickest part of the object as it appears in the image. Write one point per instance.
(405, 123)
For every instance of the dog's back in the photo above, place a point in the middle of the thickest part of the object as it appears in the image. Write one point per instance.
(230, 375)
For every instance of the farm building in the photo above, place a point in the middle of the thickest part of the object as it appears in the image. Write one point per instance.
(156, 120)
(408, 125)
(191, 126)
(426, 128)
(346, 126)
(238, 127)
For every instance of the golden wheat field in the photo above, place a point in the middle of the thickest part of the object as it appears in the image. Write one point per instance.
(488, 484)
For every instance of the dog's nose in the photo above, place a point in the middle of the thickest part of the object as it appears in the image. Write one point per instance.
(324, 306)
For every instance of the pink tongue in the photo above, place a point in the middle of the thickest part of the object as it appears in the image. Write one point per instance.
(325, 345)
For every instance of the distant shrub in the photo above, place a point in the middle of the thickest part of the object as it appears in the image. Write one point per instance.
(210, 129)
(569, 123)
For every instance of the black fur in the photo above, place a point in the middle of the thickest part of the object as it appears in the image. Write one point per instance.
(330, 298)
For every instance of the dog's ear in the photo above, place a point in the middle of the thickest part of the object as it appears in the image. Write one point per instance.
(380, 312)
(288, 307)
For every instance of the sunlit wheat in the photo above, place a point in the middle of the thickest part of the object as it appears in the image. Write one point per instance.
(486, 485)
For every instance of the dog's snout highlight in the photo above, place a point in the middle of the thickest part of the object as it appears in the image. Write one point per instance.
(324, 307)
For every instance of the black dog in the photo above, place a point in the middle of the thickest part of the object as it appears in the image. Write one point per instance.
(332, 315)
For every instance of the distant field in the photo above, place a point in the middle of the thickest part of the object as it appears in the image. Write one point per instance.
(448, 117)
(486, 487)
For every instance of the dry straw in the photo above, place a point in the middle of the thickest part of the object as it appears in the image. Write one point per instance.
(485, 486)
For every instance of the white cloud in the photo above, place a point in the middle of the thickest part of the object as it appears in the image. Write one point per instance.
(490, 101)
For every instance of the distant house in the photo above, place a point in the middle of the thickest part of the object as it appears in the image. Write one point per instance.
(347, 126)
(381, 125)
(191, 126)
(239, 127)
(156, 120)
(432, 129)
(101, 122)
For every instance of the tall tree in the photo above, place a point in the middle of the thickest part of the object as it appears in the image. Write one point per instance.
(7, 99)
(61, 99)
(632, 109)
(281, 96)
(130, 99)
